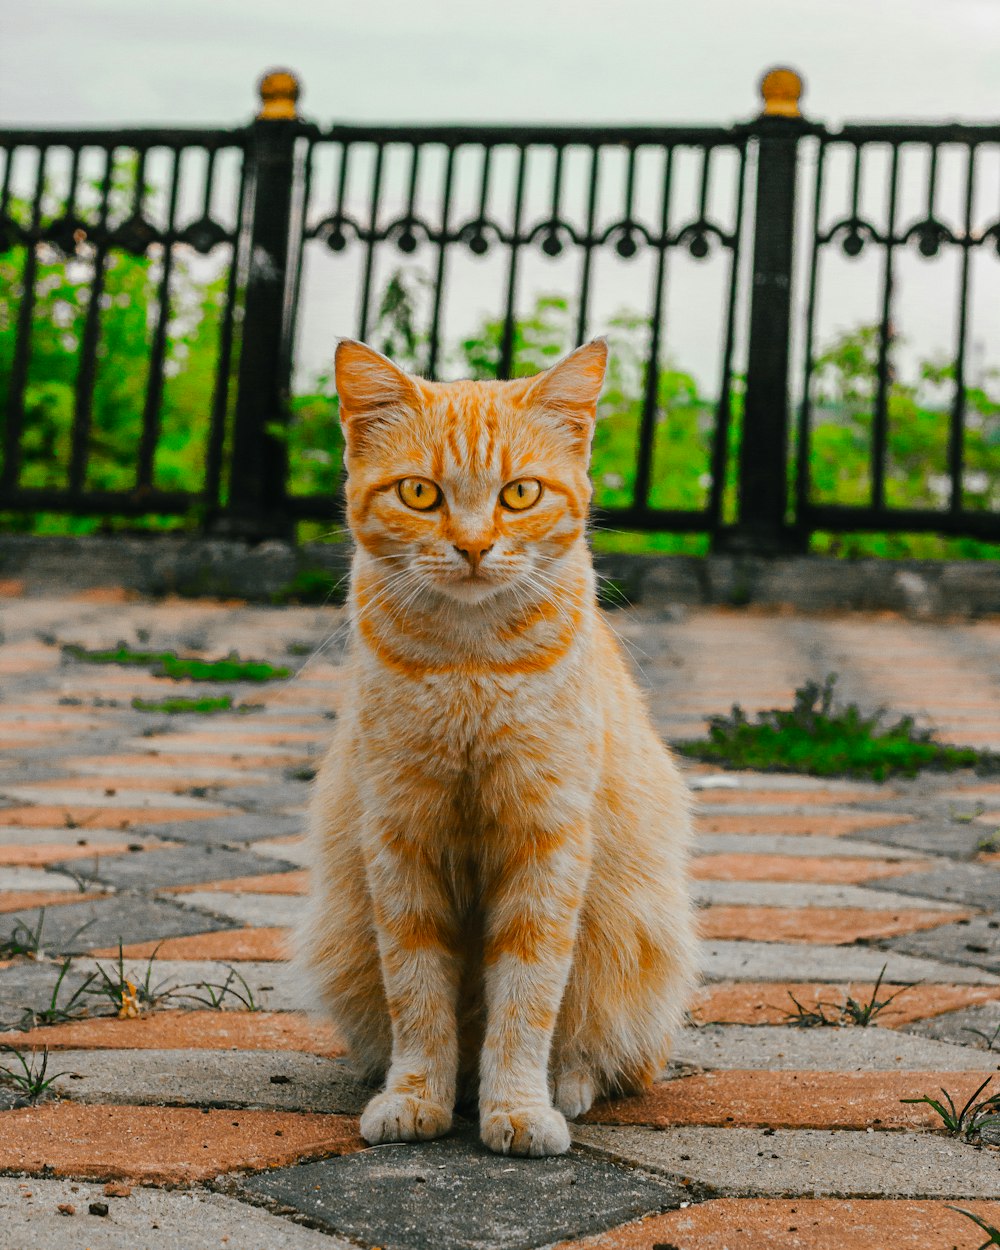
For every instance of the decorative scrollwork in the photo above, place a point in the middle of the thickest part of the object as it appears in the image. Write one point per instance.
(203, 235)
(134, 235)
(554, 235)
(626, 236)
(697, 238)
(855, 234)
(929, 235)
(407, 233)
(993, 232)
(66, 234)
(335, 232)
(479, 235)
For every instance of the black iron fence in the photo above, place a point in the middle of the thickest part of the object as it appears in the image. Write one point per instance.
(153, 280)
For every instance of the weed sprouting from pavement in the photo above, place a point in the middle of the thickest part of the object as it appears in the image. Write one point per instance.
(969, 1121)
(183, 668)
(850, 1013)
(74, 1008)
(214, 995)
(129, 998)
(992, 1234)
(31, 1081)
(818, 737)
(988, 1038)
(22, 939)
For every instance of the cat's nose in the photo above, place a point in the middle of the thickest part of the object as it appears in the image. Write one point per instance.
(473, 555)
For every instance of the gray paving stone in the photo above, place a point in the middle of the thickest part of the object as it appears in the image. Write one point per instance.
(297, 853)
(273, 985)
(975, 941)
(453, 1194)
(975, 885)
(964, 1028)
(812, 1163)
(276, 796)
(259, 910)
(36, 879)
(188, 865)
(227, 830)
(149, 1219)
(28, 986)
(938, 837)
(808, 894)
(73, 928)
(212, 1078)
(792, 844)
(786, 961)
(823, 1050)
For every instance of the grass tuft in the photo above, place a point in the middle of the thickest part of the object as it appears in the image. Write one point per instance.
(850, 1013)
(183, 668)
(969, 1121)
(199, 707)
(31, 1081)
(992, 1234)
(75, 1008)
(818, 737)
(22, 939)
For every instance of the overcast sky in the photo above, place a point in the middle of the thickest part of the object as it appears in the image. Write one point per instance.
(191, 61)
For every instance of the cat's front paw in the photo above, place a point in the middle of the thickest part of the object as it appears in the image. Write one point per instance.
(403, 1117)
(574, 1093)
(533, 1131)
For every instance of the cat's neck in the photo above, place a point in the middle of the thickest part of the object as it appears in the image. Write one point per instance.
(416, 627)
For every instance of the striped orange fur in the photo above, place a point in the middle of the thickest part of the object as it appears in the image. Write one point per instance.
(500, 905)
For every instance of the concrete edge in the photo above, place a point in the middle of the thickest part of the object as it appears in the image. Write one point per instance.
(279, 572)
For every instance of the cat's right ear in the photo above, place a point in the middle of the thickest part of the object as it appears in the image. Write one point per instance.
(373, 393)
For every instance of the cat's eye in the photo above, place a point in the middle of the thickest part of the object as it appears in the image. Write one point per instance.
(520, 495)
(418, 493)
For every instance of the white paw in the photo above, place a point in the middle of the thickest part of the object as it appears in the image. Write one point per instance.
(403, 1117)
(574, 1093)
(534, 1131)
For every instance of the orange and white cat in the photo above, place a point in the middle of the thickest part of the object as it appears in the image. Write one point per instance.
(500, 900)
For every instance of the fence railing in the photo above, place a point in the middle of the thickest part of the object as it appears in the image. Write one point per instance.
(153, 279)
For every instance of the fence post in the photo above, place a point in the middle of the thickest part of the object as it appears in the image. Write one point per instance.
(761, 527)
(258, 462)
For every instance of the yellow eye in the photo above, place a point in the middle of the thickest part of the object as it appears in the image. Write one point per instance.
(520, 495)
(418, 493)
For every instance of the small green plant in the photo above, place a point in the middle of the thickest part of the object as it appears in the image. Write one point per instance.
(815, 736)
(214, 995)
(850, 1013)
(969, 1121)
(992, 1234)
(129, 998)
(313, 586)
(989, 844)
(989, 1038)
(183, 668)
(199, 707)
(32, 1080)
(74, 1008)
(22, 939)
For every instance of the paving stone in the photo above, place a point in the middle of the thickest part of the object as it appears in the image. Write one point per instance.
(822, 1050)
(230, 1029)
(975, 941)
(975, 885)
(26, 878)
(273, 986)
(28, 987)
(939, 837)
(226, 830)
(78, 927)
(185, 865)
(801, 895)
(252, 909)
(812, 1223)
(295, 882)
(767, 1003)
(266, 1080)
(163, 1145)
(275, 796)
(781, 844)
(813, 1162)
(777, 961)
(148, 1219)
(452, 1194)
(797, 868)
(293, 849)
(815, 823)
(819, 925)
(977, 1026)
(229, 946)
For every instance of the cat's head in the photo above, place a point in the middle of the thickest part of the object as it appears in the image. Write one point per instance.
(473, 485)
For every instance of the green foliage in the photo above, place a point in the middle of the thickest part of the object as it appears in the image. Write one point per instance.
(22, 939)
(851, 1012)
(316, 586)
(176, 707)
(31, 1081)
(184, 668)
(992, 1234)
(971, 1119)
(814, 736)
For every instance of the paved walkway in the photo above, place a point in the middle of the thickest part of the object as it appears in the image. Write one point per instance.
(199, 1123)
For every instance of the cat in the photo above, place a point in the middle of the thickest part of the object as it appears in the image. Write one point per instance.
(499, 903)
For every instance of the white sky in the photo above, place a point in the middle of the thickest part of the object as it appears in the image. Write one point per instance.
(195, 61)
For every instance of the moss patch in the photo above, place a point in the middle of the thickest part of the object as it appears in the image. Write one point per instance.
(184, 668)
(817, 737)
(200, 707)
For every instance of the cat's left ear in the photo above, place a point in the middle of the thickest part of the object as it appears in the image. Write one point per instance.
(373, 393)
(571, 388)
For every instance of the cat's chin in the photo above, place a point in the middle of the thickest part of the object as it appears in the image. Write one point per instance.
(470, 589)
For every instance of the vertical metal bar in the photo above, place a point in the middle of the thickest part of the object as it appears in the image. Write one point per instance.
(723, 414)
(803, 483)
(880, 423)
(505, 362)
(434, 343)
(366, 285)
(302, 174)
(206, 205)
(220, 393)
(158, 351)
(22, 341)
(588, 246)
(956, 439)
(86, 375)
(647, 421)
(8, 172)
(763, 492)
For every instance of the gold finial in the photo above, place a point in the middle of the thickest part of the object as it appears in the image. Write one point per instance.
(781, 89)
(278, 91)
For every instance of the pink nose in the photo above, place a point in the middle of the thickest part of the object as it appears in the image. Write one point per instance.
(474, 554)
